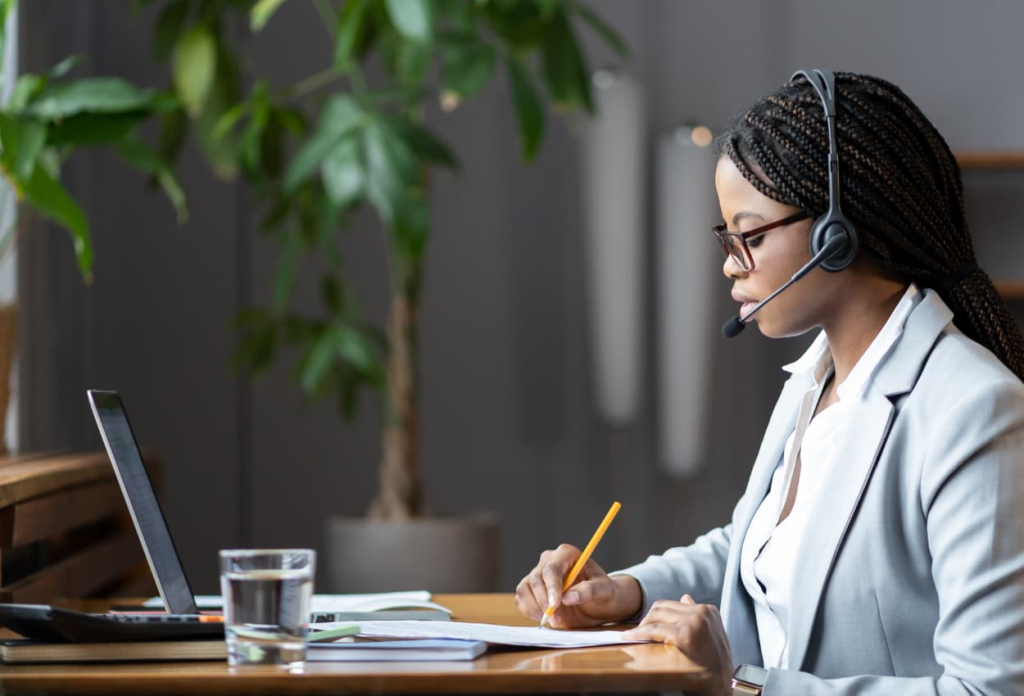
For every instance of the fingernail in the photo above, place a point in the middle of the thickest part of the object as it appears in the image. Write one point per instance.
(571, 598)
(551, 599)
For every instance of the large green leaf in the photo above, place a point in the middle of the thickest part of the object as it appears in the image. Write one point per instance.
(564, 65)
(22, 140)
(94, 95)
(391, 169)
(467, 67)
(412, 61)
(428, 146)
(316, 363)
(261, 13)
(53, 202)
(351, 26)
(250, 143)
(518, 23)
(342, 172)
(173, 126)
(195, 68)
(549, 7)
(412, 18)
(168, 27)
(341, 117)
(355, 348)
(138, 154)
(30, 85)
(412, 229)
(5, 10)
(25, 90)
(529, 112)
(221, 151)
(94, 129)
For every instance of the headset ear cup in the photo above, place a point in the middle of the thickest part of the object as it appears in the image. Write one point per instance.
(825, 229)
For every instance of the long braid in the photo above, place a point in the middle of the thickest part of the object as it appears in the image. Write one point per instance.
(901, 188)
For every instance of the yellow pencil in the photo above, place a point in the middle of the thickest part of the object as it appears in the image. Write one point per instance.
(584, 557)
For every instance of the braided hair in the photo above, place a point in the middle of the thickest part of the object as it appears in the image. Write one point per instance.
(901, 189)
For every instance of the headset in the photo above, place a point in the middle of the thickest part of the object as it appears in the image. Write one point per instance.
(833, 223)
(833, 238)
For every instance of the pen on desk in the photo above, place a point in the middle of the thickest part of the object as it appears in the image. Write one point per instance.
(584, 557)
(332, 633)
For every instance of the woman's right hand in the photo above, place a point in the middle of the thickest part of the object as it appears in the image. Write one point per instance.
(594, 598)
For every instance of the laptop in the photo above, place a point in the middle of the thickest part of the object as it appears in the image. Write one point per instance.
(123, 450)
(183, 618)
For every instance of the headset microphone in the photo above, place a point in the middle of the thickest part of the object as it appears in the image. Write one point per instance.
(833, 247)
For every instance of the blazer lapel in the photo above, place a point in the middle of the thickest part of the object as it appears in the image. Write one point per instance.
(832, 515)
(737, 609)
(872, 419)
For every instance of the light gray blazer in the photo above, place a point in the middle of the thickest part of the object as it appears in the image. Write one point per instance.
(911, 577)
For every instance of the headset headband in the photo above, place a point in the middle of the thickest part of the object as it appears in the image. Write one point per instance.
(824, 83)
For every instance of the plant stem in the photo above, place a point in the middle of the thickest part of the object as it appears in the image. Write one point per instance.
(401, 483)
(355, 74)
(310, 84)
(327, 15)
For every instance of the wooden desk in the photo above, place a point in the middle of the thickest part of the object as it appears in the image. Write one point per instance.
(629, 668)
(65, 530)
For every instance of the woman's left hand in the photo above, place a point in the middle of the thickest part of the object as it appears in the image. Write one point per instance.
(697, 630)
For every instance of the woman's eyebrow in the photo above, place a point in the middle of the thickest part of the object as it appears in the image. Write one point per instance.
(744, 214)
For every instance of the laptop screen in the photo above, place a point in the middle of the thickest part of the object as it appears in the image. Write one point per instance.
(142, 503)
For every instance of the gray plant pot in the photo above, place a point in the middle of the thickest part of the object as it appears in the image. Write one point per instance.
(440, 554)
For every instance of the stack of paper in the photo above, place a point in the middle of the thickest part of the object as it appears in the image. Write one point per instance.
(391, 650)
(338, 603)
(527, 636)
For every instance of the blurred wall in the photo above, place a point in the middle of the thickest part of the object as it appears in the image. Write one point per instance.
(508, 420)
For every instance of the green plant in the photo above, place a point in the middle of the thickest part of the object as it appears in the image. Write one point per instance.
(316, 150)
(49, 117)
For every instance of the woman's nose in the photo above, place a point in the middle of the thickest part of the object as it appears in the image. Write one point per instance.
(732, 269)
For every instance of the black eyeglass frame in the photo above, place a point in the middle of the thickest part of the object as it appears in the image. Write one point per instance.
(739, 249)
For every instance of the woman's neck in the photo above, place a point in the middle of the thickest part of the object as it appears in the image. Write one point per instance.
(853, 329)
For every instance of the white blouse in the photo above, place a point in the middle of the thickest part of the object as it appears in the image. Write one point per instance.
(770, 548)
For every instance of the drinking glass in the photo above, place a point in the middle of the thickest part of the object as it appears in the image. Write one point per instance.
(266, 604)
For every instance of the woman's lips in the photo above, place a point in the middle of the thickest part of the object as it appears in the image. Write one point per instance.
(747, 303)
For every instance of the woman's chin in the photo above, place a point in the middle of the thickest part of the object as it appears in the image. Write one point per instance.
(772, 329)
(768, 329)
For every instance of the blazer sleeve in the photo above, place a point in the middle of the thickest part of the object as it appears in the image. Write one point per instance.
(697, 569)
(972, 496)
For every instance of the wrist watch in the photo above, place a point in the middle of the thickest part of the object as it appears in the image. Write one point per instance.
(748, 680)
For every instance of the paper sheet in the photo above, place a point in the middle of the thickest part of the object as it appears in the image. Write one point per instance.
(338, 602)
(529, 636)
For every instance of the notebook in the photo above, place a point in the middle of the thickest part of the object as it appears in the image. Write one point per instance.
(394, 650)
(31, 652)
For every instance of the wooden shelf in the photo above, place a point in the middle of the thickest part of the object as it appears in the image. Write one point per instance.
(990, 159)
(1010, 289)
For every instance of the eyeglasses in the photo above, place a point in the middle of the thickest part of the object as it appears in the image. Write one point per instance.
(734, 244)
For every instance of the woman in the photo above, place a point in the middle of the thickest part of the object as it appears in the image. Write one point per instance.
(879, 546)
